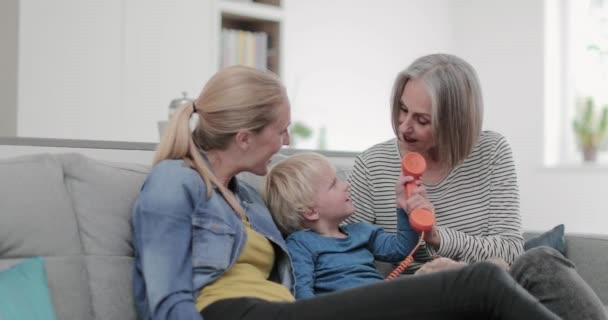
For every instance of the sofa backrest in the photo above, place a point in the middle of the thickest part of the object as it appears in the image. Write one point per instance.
(75, 212)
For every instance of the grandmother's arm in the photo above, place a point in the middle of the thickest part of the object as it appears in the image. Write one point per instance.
(504, 238)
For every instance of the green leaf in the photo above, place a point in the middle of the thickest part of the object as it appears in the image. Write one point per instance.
(590, 128)
(588, 115)
(603, 121)
(593, 47)
(300, 130)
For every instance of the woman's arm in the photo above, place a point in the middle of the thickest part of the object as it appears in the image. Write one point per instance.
(503, 238)
(162, 238)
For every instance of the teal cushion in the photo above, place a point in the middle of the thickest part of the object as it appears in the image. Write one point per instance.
(553, 238)
(24, 293)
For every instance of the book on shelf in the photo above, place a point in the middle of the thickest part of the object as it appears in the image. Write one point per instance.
(241, 47)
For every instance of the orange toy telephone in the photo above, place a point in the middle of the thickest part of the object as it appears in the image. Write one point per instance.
(421, 220)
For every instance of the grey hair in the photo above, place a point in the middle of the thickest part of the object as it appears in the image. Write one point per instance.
(456, 104)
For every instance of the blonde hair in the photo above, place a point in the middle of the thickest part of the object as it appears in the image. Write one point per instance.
(456, 103)
(290, 188)
(234, 98)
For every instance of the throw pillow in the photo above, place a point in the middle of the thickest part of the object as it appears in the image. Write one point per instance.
(24, 293)
(553, 238)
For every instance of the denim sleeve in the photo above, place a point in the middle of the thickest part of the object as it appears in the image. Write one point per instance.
(162, 236)
(391, 247)
(304, 268)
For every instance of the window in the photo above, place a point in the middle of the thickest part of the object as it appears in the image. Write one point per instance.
(576, 68)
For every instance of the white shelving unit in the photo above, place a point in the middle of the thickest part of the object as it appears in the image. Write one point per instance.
(254, 16)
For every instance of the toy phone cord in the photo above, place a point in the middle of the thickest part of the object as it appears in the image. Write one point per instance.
(407, 261)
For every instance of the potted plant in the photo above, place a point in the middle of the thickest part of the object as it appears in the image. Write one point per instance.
(297, 131)
(590, 128)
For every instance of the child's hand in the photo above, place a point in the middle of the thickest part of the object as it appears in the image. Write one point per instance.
(400, 193)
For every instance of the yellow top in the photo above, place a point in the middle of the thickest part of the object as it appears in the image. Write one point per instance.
(248, 277)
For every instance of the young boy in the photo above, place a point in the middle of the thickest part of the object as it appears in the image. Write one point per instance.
(308, 202)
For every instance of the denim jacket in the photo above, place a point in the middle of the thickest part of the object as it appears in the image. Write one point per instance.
(184, 240)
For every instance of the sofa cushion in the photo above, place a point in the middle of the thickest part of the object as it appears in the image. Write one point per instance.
(38, 220)
(76, 212)
(68, 280)
(102, 194)
(24, 293)
(590, 255)
(553, 238)
(37, 214)
(111, 290)
(68, 283)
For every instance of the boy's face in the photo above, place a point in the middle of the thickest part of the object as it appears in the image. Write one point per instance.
(332, 200)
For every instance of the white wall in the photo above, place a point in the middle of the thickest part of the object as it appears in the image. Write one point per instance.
(107, 69)
(504, 41)
(341, 58)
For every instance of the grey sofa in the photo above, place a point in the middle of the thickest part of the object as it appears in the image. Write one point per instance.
(75, 211)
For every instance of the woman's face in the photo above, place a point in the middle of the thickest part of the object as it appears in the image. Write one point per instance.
(415, 132)
(270, 140)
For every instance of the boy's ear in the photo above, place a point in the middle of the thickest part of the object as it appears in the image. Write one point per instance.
(243, 139)
(310, 214)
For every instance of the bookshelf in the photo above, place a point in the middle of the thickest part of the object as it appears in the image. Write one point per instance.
(250, 33)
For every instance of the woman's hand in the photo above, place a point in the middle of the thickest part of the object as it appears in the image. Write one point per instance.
(499, 262)
(417, 199)
(440, 264)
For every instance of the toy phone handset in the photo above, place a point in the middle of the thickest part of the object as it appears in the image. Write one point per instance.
(421, 220)
(413, 164)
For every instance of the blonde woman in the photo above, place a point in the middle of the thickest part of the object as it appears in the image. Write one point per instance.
(206, 246)
(470, 182)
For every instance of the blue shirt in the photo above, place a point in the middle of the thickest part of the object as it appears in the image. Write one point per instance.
(183, 240)
(326, 264)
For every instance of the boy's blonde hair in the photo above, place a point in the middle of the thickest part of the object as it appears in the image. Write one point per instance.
(290, 188)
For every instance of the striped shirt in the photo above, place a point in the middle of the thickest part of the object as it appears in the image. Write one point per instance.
(476, 204)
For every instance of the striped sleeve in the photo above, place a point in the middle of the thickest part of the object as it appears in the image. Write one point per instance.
(502, 235)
